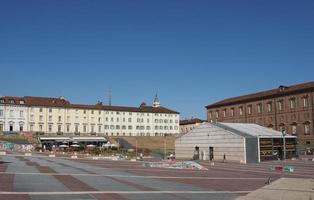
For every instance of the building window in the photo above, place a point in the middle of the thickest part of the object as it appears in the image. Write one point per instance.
(32, 117)
(259, 108)
(106, 119)
(292, 103)
(280, 105)
(210, 115)
(68, 128)
(50, 110)
(99, 119)
(11, 113)
(11, 101)
(1, 127)
(92, 129)
(130, 120)
(40, 118)
(294, 128)
(21, 113)
(307, 128)
(21, 128)
(68, 118)
(50, 128)
(22, 101)
(305, 101)
(123, 127)
(241, 110)
(232, 112)
(50, 118)
(31, 127)
(84, 129)
(249, 109)
(92, 112)
(1, 113)
(40, 109)
(40, 127)
(59, 128)
(59, 118)
(269, 107)
(281, 127)
(111, 127)
(76, 128)
(99, 129)
(129, 127)
(1, 100)
(224, 112)
(217, 114)
(117, 127)
(106, 127)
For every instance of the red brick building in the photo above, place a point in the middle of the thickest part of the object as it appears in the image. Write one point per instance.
(289, 108)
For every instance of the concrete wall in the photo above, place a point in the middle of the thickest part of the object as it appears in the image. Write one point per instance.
(205, 135)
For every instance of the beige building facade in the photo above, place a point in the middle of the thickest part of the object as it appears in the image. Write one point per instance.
(57, 116)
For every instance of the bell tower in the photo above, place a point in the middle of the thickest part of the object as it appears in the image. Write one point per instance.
(156, 103)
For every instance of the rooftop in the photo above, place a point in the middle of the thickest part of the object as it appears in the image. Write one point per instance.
(62, 102)
(280, 91)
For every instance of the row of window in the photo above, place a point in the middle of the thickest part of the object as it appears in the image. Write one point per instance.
(11, 128)
(260, 109)
(132, 134)
(306, 127)
(12, 101)
(107, 112)
(12, 113)
(106, 127)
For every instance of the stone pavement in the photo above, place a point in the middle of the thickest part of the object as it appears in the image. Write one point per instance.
(284, 188)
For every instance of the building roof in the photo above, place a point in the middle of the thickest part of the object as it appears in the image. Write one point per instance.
(280, 91)
(191, 121)
(61, 102)
(241, 129)
(252, 130)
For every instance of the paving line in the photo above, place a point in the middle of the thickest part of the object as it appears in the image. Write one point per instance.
(128, 192)
(136, 176)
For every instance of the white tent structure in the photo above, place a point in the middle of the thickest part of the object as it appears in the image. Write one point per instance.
(234, 142)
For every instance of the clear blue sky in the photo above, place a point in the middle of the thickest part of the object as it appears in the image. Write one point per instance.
(192, 53)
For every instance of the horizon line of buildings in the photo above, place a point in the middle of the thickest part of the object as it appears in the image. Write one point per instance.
(58, 116)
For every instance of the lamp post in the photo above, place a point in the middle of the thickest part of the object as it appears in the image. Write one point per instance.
(284, 144)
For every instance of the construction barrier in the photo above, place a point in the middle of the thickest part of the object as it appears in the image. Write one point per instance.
(175, 165)
(280, 168)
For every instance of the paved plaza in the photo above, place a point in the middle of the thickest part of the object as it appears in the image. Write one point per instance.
(45, 178)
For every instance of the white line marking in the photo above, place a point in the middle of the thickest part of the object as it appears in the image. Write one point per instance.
(126, 192)
(134, 176)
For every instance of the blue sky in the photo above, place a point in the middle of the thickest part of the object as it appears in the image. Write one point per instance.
(192, 53)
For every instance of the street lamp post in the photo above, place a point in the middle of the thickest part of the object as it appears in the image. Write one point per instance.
(165, 148)
(284, 144)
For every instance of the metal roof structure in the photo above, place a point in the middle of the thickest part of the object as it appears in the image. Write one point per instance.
(252, 130)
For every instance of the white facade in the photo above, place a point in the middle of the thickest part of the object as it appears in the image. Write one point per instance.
(13, 116)
(126, 123)
(57, 116)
